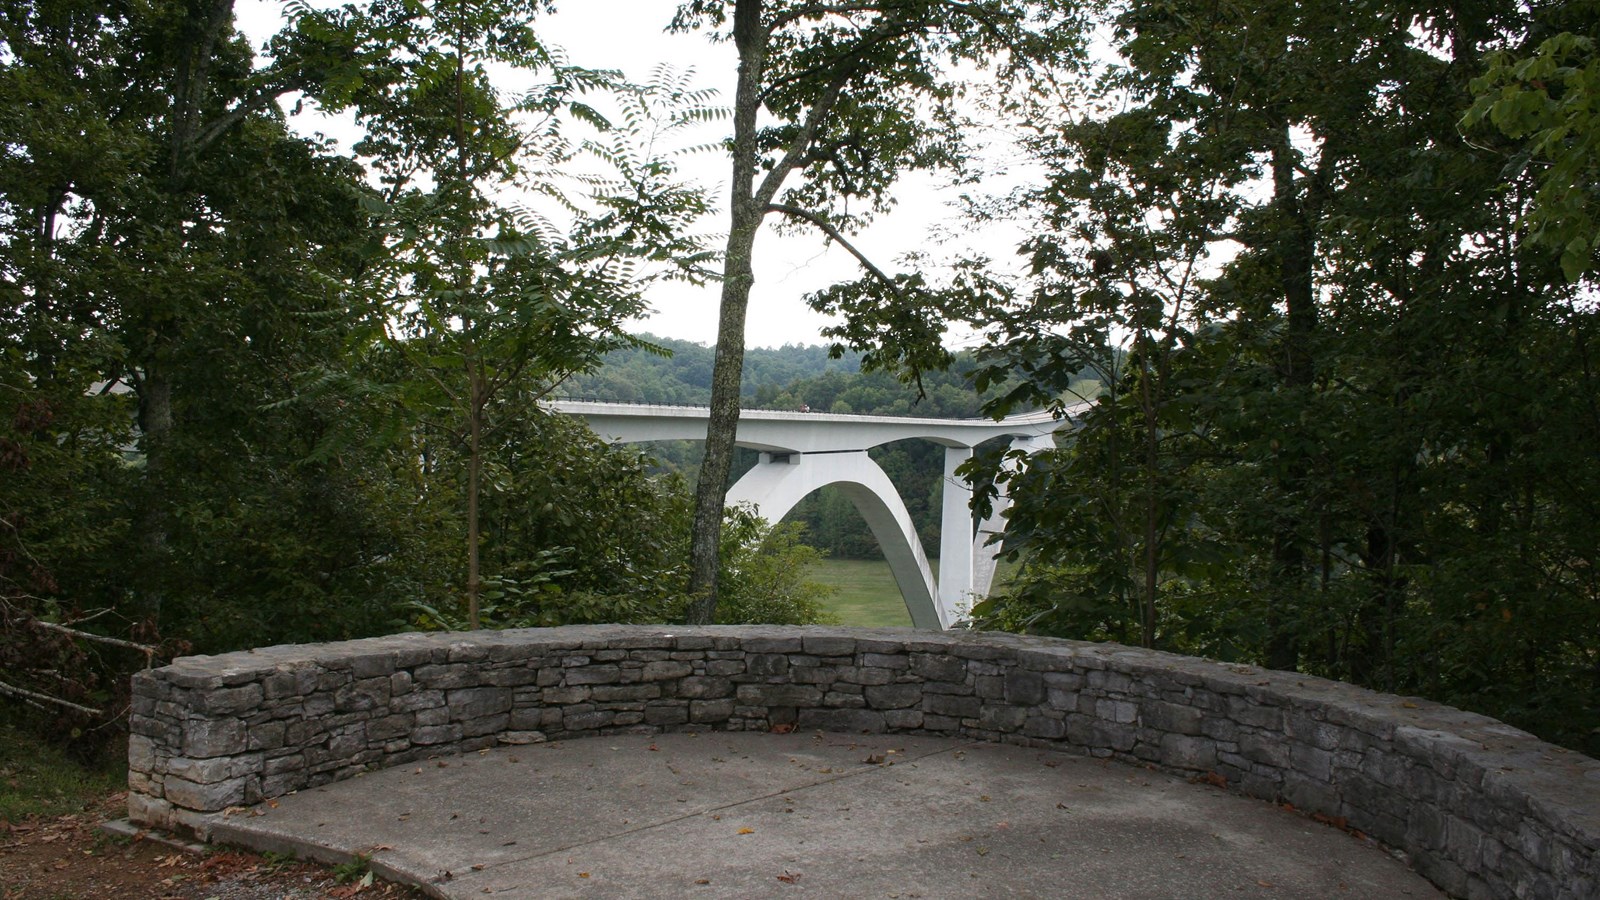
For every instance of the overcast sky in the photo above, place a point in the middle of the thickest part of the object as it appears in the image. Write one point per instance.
(630, 35)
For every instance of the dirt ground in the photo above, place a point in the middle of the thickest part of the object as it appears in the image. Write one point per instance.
(70, 858)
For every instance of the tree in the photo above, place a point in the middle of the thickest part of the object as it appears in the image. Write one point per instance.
(480, 296)
(1352, 414)
(1548, 100)
(157, 222)
(856, 95)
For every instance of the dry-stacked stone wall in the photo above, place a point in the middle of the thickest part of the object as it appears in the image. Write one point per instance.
(1482, 809)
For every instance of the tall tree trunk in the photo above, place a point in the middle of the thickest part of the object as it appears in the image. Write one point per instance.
(208, 23)
(1295, 251)
(476, 400)
(1152, 534)
(748, 210)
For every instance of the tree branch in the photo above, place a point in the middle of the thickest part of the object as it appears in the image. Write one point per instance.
(834, 235)
(26, 695)
(146, 649)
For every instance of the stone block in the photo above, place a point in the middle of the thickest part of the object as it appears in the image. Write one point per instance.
(141, 753)
(841, 700)
(1255, 715)
(485, 725)
(773, 645)
(866, 675)
(473, 703)
(603, 674)
(1183, 751)
(1044, 727)
(230, 701)
(1311, 762)
(1268, 750)
(710, 711)
(372, 665)
(1001, 718)
(722, 667)
(359, 696)
(767, 664)
(214, 770)
(560, 696)
(1170, 717)
(144, 809)
(891, 661)
(612, 693)
(937, 667)
(204, 797)
(851, 721)
(779, 695)
(702, 687)
(665, 670)
(828, 645)
(205, 738)
(902, 718)
(663, 715)
(446, 676)
(586, 721)
(822, 676)
(436, 734)
(1119, 711)
(1024, 688)
(950, 705)
(894, 696)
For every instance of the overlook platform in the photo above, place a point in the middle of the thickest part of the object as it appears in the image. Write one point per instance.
(401, 748)
(746, 814)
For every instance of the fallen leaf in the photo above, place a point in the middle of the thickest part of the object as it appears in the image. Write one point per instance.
(782, 729)
(747, 831)
(583, 874)
(789, 877)
(702, 881)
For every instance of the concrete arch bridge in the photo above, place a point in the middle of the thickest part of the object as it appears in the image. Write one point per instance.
(804, 451)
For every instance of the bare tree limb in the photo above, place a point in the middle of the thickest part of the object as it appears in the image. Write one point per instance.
(146, 649)
(834, 235)
(27, 695)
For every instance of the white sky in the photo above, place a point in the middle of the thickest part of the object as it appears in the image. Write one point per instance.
(630, 35)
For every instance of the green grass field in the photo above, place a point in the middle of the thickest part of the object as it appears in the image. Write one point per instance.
(867, 592)
(868, 596)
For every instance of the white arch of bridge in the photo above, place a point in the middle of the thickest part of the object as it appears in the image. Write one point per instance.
(803, 452)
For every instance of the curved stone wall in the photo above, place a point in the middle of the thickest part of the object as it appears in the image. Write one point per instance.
(1482, 809)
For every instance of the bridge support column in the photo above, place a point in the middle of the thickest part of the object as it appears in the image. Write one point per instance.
(957, 549)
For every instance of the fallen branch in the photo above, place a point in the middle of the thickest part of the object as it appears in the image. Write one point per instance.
(146, 649)
(26, 695)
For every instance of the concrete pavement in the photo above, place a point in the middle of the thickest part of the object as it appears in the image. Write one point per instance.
(823, 815)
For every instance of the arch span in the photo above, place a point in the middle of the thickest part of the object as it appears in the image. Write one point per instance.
(777, 483)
